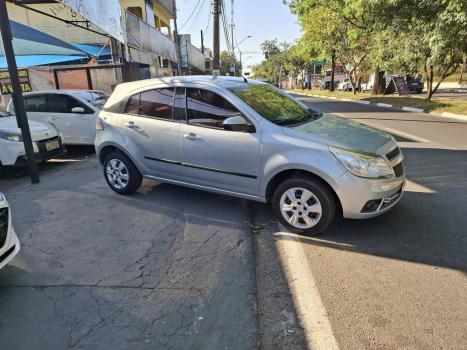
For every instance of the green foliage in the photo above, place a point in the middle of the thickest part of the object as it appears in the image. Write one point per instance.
(226, 61)
(407, 36)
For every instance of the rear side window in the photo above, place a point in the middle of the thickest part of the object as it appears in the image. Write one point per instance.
(152, 103)
(157, 103)
(206, 108)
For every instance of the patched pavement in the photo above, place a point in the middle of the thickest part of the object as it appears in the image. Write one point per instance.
(166, 268)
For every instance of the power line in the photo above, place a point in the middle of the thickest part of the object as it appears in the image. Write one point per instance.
(196, 16)
(191, 15)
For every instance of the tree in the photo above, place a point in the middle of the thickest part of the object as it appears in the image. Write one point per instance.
(227, 61)
(338, 29)
(405, 36)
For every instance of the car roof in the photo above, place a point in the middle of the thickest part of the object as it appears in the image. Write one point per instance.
(219, 81)
(67, 91)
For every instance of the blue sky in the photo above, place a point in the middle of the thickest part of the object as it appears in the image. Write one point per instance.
(263, 19)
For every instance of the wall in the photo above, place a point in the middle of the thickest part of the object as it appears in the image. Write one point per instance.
(54, 27)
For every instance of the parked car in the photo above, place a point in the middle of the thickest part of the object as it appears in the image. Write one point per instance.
(326, 84)
(345, 85)
(250, 140)
(368, 85)
(415, 84)
(9, 243)
(72, 112)
(47, 142)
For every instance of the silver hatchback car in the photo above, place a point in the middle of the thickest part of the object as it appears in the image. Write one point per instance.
(250, 140)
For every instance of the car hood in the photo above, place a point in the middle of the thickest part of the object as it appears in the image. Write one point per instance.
(342, 133)
(39, 131)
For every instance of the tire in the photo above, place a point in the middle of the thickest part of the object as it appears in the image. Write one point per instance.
(320, 210)
(121, 165)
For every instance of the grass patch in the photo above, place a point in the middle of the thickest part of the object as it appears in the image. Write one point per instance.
(457, 106)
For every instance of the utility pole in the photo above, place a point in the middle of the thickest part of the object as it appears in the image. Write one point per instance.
(216, 34)
(17, 94)
(177, 40)
(232, 27)
(202, 42)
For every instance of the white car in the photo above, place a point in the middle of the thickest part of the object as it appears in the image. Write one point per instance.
(72, 112)
(47, 142)
(9, 243)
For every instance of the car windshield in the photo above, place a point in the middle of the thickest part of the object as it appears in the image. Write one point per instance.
(274, 106)
(96, 98)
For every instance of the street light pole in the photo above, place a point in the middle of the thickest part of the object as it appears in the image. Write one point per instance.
(17, 94)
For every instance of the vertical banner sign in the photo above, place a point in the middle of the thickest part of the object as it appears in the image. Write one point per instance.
(5, 83)
(103, 13)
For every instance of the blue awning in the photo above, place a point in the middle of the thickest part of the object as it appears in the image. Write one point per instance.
(25, 61)
(30, 41)
(94, 50)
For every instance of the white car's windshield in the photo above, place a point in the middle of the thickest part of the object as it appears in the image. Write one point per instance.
(272, 105)
(96, 98)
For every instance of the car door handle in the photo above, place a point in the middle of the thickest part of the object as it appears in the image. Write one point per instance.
(192, 136)
(131, 125)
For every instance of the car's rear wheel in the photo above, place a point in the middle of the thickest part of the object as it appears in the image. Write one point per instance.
(121, 174)
(304, 205)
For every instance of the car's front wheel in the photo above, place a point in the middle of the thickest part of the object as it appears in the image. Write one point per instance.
(121, 174)
(304, 205)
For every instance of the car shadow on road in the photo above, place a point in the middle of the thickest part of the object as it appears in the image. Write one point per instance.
(427, 227)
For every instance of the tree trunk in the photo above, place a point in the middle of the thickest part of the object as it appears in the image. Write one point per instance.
(375, 87)
(352, 79)
(430, 82)
(382, 83)
(333, 68)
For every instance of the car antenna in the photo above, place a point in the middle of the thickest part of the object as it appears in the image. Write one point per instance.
(244, 79)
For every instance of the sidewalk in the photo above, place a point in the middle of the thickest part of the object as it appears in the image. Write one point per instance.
(167, 268)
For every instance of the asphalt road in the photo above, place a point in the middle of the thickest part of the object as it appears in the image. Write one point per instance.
(399, 281)
(166, 268)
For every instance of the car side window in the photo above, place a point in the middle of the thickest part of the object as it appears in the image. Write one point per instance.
(58, 103)
(179, 111)
(206, 108)
(35, 103)
(157, 103)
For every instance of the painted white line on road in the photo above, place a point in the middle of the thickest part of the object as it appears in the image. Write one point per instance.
(411, 186)
(385, 105)
(310, 307)
(406, 135)
(362, 102)
(411, 109)
(454, 116)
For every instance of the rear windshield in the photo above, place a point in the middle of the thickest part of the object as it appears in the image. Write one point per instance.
(273, 105)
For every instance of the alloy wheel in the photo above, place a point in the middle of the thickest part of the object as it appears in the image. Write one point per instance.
(117, 174)
(300, 207)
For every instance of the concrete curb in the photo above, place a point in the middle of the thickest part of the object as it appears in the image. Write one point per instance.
(387, 105)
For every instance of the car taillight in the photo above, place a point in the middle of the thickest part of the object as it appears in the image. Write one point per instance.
(99, 124)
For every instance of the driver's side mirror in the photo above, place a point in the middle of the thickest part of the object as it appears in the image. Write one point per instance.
(238, 123)
(77, 110)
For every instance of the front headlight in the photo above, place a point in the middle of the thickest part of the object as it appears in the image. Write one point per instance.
(362, 164)
(2, 197)
(11, 136)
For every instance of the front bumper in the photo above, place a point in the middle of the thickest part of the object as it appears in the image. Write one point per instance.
(355, 193)
(10, 249)
(42, 154)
